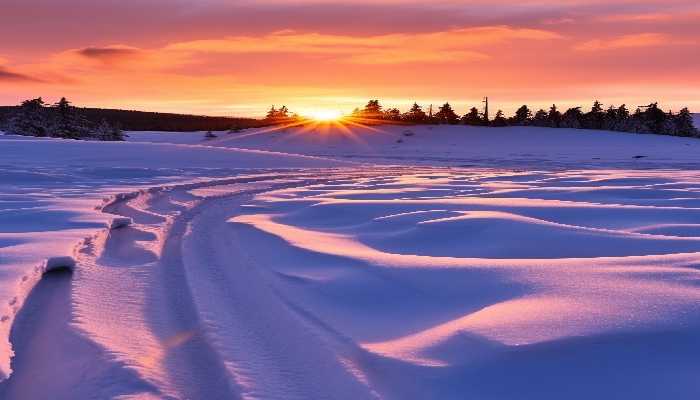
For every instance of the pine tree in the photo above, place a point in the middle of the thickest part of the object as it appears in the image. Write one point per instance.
(66, 122)
(654, 118)
(446, 115)
(610, 119)
(392, 114)
(499, 120)
(473, 117)
(540, 118)
(372, 110)
(554, 117)
(684, 123)
(30, 119)
(107, 132)
(622, 119)
(637, 122)
(272, 113)
(415, 114)
(594, 118)
(572, 118)
(523, 116)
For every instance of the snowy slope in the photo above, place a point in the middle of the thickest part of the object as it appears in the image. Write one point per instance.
(49, 190)
(460, 145)
(246, 279)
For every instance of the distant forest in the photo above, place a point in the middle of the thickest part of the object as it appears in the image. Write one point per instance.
(644, 119)
(129, 120)
(62, 119)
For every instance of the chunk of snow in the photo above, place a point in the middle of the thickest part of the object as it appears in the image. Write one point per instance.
(60, 262)
(121, 222)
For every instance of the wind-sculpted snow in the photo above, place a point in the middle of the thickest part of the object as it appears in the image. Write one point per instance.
(199, 280)
(412, 284)
(51, 191)
(483, 284)
(515, 147)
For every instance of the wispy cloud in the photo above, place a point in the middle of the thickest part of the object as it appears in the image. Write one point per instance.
(11, 76)
(109, 53)
(442, 46)
(632, 41)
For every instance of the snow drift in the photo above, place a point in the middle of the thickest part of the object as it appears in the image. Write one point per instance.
(235, 278)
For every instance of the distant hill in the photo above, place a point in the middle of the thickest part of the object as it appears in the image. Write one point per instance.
(130, 120)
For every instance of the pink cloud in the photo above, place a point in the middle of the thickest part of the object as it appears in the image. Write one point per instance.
(632, 41)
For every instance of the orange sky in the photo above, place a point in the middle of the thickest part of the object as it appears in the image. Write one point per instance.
(237, 57)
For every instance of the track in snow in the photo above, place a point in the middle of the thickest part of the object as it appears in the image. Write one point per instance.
(424, 283)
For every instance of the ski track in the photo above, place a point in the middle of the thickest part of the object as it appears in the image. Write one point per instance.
(378, 283)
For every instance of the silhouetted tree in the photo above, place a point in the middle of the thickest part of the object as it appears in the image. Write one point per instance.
(610, 119)
(594, 118)
(108, 132)
(499, 120)
(523, 116)
(392, 114)
(275, 115)
(572, 118)
(540, 118)
(272, 113)
(67, 122)
(473, 117)
(684, 123)
(654, 118)
(446, 115)
(415, 114)
(30, 119)
(553, 117)
(61, 120)
(372, 110)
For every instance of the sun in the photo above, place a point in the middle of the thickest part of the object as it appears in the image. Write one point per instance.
(326, 115)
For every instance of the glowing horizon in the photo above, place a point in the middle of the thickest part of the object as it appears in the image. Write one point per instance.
(238, 58)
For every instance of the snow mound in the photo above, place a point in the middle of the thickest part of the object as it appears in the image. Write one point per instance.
(60, 262)
(458, 145)
(120, 222)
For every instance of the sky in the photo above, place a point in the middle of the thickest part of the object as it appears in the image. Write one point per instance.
(239, 57)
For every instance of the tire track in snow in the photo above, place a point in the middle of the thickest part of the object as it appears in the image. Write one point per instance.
(273, 352)
(209, 325)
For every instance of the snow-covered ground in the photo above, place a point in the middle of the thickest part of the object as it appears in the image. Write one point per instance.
(491, 264)
(458, 145)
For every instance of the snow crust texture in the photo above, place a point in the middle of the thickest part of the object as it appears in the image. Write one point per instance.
(361, 282)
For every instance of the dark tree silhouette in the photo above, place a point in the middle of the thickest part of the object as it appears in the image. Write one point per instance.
(275, 116)
(372, 110)
(684, 123)
(499, 120)
(30, 119)
(594, 118)
(523, 116)
(392, 114)
(415, 114)
(540, 118)
(62, 120)
(446, 115)
(67, 122)
(473, 117)
(272, 113)
(553, 117)
(572, 118)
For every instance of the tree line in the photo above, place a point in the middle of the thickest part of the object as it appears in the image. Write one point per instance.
(645, 119)
(36, 118)
(61, 120)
